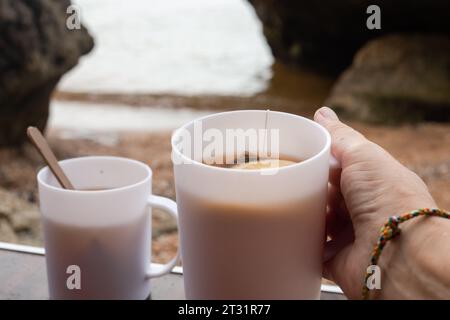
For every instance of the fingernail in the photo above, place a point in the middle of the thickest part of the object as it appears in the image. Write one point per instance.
(328, 113)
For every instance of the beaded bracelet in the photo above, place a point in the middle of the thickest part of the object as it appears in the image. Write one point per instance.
(390, 230)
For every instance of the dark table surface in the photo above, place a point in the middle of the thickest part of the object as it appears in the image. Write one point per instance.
(23, 276)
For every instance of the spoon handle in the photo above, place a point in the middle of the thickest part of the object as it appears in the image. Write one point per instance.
(42, 146)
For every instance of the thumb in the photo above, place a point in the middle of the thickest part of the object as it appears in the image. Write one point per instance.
(344, 138)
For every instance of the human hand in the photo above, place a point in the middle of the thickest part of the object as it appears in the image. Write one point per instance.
(370, 187)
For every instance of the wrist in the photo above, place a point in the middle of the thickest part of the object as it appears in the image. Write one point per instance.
(415, 264)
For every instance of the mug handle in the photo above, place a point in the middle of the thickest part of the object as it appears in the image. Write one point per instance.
(169, 207)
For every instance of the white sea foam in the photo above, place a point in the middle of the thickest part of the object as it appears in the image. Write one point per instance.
(172, 46)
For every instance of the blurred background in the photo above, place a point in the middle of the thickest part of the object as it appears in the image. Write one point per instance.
(137, 69)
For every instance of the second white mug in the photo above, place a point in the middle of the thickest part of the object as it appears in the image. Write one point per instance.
(98, 237)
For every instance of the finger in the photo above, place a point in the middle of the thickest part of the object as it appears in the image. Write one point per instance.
(334, 197)
(331, 224)
(336, 202)
(344, 138)
(335, 259)
(334, 246)
(335, 177)
(336, 254)
(332, 220)
(335, 224)
(338, 223)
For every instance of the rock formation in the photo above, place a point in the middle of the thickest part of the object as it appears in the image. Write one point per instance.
(324, 35)
(395, 79)
(36, 49)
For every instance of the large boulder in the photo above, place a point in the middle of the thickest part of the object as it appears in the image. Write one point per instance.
(395, 79)
(324, 35)
(36, 49)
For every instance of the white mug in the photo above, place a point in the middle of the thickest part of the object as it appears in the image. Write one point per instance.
(98, 236)
(248, 235)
